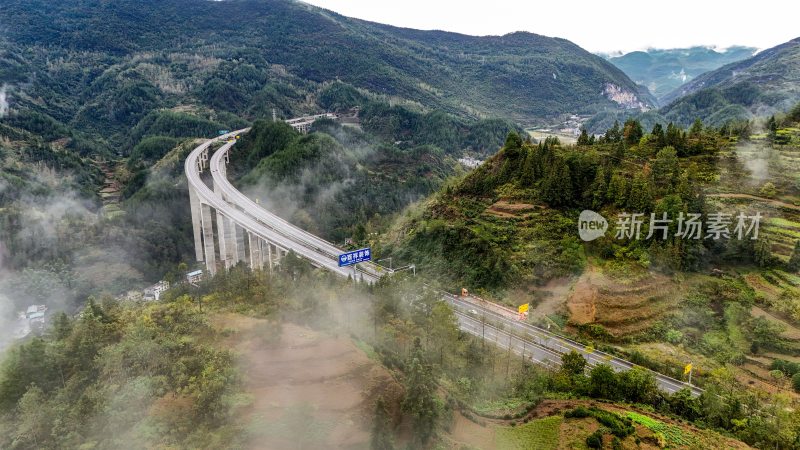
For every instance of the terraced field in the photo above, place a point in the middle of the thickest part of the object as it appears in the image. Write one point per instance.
(621, 308)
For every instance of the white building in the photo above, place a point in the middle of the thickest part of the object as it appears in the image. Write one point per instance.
(154, 292)
(194, 277)
(470, 162)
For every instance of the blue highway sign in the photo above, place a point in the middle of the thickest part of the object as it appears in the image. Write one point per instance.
(355, 257)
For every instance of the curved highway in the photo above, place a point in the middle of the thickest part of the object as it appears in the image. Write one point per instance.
(223, 186)
(250, 224)
(475, 316)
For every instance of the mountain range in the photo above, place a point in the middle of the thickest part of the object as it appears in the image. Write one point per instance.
(100, 67)
(766, 83)
(664, 70)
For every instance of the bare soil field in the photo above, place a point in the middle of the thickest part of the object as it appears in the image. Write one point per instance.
(621, 308)
(506, 209)
(308, 388)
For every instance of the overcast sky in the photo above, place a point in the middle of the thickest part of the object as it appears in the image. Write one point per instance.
(596, 25)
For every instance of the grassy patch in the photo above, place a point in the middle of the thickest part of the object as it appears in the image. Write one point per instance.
(367, 349)
(539, 434)
(673, 435)
(500, 407)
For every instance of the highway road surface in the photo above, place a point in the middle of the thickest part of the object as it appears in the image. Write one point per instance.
(558, 344)
(475, 316)
(222, 186)
(247, 222)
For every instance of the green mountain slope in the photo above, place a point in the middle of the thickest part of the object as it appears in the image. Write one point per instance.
(108, 63)
(664, 70)
(761, 85)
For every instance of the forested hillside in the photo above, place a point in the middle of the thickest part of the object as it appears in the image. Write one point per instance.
(248, 56)
(297, 358)
(336, 182)
(665, 70)
(101, 102)
(755, 87)
(509, 230)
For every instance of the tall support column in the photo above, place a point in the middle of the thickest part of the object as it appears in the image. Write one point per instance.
(208, 238)
(254, 242)
(222, 230)
(240, 254)
(269, 254)
(230, 242)
(197, 226)
(262, 248)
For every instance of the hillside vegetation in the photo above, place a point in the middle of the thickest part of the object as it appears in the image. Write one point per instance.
(665, 70)
(335, 181)
(292, 356)
(509, 230)
(246, 57)
(755, 87)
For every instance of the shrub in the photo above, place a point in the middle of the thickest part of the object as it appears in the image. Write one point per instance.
(768, 190)
(577, 413)
(674, 336)
(595, 440)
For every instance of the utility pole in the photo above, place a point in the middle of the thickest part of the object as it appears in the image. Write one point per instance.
(508, 356)
(483, 331)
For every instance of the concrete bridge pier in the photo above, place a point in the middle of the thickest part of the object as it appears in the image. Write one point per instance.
(269, 255)
(222, 242)
(197, 224)
(208, 239)
(254, 244)
(240, 248)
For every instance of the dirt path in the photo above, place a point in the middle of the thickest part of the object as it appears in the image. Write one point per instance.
(776, 203)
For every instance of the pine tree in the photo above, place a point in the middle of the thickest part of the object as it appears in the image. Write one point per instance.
(530, 168)
(697, 128)
(614, 134)
(557, 187)
(381, 428)
(772, 127)
(62, 327)
(599, 188)
(420, 401)
(666, 170)
(640, 199)
(583, 139)
(657, 136)
(617, 190)
(675, 138)
(513, 140)
(763, 252)
(632, 132)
